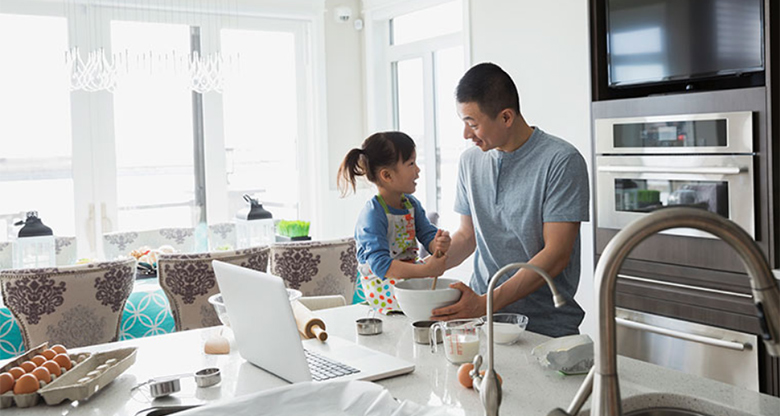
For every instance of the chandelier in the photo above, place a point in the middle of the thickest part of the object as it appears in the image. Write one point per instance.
(98, 70)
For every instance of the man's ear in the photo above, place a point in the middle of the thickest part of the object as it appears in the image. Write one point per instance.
(507, 116)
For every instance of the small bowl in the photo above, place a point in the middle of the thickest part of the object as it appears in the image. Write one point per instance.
(421, 331)
(219, 305)
(507, 327)
(417, 300)
(369, 326)
(208, 377)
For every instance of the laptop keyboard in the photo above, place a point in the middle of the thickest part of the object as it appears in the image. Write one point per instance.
(323, 368)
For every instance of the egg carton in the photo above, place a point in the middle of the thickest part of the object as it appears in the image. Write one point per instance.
(26, 400)
(79, 383)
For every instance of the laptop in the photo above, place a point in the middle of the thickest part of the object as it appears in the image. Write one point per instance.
(266, 334)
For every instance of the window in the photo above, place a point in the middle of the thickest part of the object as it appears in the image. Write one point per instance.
(261, 113)
(143, 156)
(423, 57)
(35, 126)
(155, 173)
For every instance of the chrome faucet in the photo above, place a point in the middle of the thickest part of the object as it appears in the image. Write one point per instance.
(766, 295)
(487, 386)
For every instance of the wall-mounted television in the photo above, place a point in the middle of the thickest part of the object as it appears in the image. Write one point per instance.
(651, 42)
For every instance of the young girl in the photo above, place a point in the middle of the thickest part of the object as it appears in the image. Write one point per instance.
(393, 221)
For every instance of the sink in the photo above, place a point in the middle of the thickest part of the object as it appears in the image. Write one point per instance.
(672, 404)
(664, 411)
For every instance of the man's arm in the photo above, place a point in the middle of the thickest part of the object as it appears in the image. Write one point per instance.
(463, 242)
(559, 238)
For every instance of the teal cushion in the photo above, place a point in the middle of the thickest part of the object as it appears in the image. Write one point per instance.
(11, 343)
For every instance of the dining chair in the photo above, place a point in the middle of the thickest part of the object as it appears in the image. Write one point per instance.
(317, 267)
(6, 255)
(188, 281)
(222, 235)
(121, 243)
(316, 303)
(71, 305)
(66, 250)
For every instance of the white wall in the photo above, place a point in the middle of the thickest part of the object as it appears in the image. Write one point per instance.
(544, 46)
(346, 129)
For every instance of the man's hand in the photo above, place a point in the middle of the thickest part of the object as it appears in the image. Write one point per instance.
(470, 305)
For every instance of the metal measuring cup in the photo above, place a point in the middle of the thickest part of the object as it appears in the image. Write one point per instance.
(370, 325)
(165, 386)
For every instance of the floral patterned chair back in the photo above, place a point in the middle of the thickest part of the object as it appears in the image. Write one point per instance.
(222, 235)
(66, 250)
(73, 305)
(317, 268)
(122, 243)
(6, 255)
(188, 281)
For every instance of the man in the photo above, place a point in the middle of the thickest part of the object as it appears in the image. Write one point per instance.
(521, 195)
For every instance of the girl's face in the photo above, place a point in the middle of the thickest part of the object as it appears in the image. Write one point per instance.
(403, 177)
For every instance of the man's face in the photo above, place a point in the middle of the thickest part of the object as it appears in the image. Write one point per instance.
(487, 133)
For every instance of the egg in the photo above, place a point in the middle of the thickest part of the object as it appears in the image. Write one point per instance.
(38, 360)
(28, 366)
(42, 374)
(6, 382)
(59, 349)
(463, 375)
(17, 372)
(26, 384)
(465, 379)
(49, 354)
(63, 360)
(53, 368)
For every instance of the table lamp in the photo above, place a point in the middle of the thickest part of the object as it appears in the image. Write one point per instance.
(254, 225)
(35, 246)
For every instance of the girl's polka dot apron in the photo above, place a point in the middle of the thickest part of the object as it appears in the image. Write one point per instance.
(379, 292)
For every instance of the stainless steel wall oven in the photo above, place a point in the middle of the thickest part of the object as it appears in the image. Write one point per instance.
(706, 150)
(698, 160)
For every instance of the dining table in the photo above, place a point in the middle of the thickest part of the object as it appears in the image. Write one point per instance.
(529, 388)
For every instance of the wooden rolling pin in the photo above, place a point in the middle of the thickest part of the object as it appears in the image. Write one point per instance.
(308, 325)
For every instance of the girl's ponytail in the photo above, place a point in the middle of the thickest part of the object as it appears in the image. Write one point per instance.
(350, 169)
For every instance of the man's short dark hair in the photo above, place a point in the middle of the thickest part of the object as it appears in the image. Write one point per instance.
(490, 87)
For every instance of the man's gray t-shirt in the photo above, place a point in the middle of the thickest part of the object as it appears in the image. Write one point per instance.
(509, 196)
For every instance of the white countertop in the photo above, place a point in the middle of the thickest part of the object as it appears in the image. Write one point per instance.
(529, 389)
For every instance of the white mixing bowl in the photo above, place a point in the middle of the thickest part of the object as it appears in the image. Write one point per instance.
(417, 300)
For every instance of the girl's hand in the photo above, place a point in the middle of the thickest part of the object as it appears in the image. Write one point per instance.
(435, 265)
(441, 242)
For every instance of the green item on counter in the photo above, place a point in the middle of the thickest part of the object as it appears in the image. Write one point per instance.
(293, 228)
(649, 196)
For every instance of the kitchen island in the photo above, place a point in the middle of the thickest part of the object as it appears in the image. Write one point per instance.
(529, 389)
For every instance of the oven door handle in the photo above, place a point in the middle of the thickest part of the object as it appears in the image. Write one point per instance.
(732, 345)
(725, 170)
